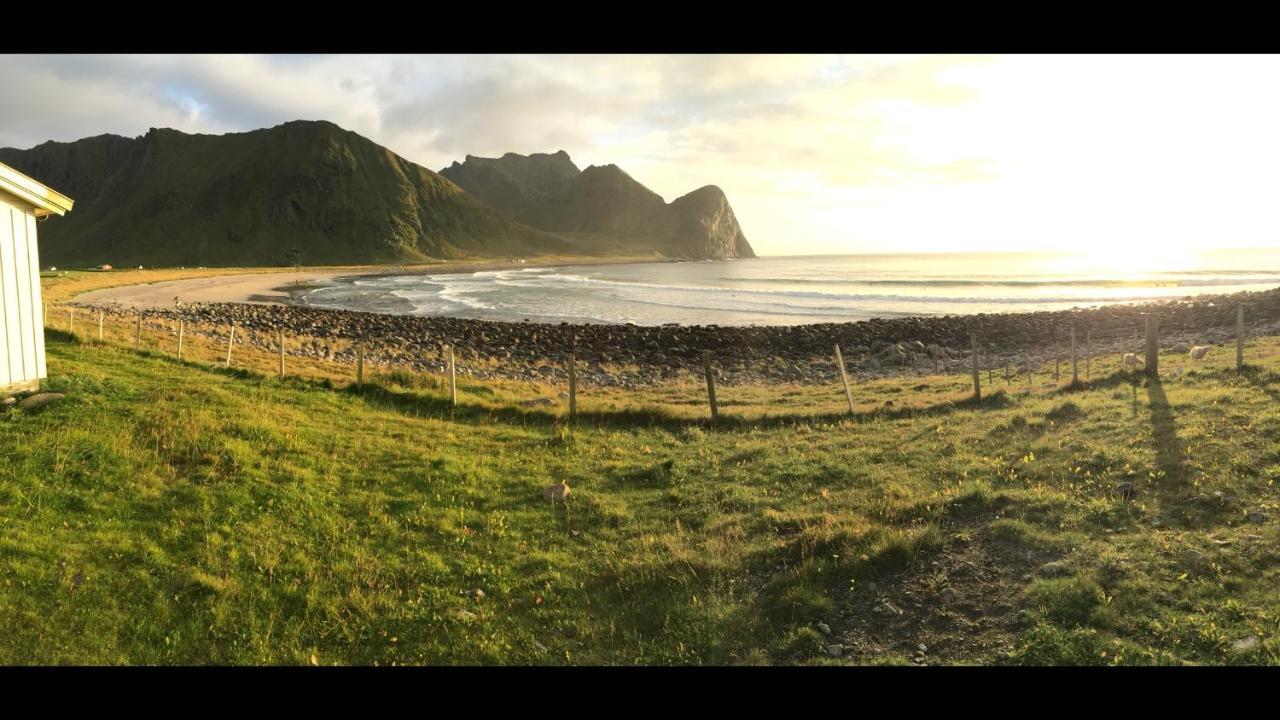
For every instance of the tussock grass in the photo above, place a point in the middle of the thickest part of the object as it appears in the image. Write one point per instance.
(170, 512)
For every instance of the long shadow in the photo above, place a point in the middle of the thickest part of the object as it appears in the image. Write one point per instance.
(1164, 432)
(419, 405)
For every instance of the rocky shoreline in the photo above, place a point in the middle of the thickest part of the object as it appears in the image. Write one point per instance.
(631, 355)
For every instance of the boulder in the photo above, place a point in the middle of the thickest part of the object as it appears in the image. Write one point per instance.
(35, 402)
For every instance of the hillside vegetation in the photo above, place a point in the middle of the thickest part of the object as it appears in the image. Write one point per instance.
(169, 512)
(312, 193)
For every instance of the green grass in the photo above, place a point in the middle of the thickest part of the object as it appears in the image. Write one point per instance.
(170, 513)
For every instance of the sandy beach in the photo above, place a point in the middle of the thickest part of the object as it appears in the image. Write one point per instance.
(273, 288)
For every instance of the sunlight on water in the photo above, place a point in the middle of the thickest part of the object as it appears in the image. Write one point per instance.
(793, 290)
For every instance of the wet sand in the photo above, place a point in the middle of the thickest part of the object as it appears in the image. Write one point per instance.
(274, 288)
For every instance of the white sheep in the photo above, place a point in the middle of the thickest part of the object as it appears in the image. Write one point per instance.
(1199, 351)
(1130, 361)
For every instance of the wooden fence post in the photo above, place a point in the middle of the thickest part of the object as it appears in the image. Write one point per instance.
(1153, 346)
(844, 378)
(1057, 358)
(453, 379)
(280, 340)
(71, 323)
(573, 387)
(360, 363)
(711, 384)
(1240, 336)
(1088, 351)
(973, 350)
(986, 357)
(231, 339)
(137, 340)
(182, 327)
(1075, 366)
(99, 326)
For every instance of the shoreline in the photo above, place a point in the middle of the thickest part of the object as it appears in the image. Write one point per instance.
(276, 287)
(634, 355)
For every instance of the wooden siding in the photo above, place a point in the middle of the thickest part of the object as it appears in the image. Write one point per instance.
(21, 321)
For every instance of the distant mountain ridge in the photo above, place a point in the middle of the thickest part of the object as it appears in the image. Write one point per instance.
(310, 192)
(305, 192)
(603, 203)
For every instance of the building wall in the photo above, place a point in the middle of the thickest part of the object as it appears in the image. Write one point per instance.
(22, 362)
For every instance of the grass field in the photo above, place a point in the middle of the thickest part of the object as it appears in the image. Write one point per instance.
(170, 512)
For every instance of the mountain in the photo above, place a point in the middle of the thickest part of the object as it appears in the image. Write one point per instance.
(305, 192)
(603, 206)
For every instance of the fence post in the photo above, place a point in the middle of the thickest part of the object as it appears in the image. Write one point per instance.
(973, 351)
(1057, 358)
(99, 326)
(1088, 351)
(453, 379)
(360, 363)
(280, 340)
(844, 378)
(573, 387)
(231, 338)
(986, 357)
(1153, 346)
(937, 358)
(1240, 336)
(71, 324)
(182, 327)
(711, 384)
(137, 340)
(1075, 367)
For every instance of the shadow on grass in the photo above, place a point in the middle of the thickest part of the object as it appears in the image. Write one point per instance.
(423, 405)
(420, 404)
(1164, 432)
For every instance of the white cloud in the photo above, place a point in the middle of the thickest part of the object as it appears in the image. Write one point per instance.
(816, 153)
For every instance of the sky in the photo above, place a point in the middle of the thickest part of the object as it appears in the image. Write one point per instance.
(817, 154)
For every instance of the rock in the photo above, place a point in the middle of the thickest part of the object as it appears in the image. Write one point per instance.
(1246, 645)
(1054, 569)
(835, 650)
(886, 610)
(922, 648)
(824, 628)
(39, 400)
(1256, 517)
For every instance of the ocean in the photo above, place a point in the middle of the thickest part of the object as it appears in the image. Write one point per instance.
(806, 289)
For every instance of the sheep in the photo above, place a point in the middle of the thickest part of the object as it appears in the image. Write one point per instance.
(1130, 361)
(556, 493)
(1198, 352)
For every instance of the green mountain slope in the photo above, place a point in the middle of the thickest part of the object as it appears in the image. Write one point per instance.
(305, 192)
(603, 205)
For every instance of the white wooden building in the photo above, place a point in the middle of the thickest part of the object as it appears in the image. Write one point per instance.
(23, 202)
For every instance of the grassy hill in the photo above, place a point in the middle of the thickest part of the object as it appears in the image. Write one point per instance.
(171, 512)
(300, 193)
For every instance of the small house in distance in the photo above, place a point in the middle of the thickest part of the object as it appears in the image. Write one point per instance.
(23, 201)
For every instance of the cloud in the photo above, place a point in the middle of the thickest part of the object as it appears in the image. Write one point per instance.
(817, 153)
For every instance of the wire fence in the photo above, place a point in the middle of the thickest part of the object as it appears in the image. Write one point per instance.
(1074, 356)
